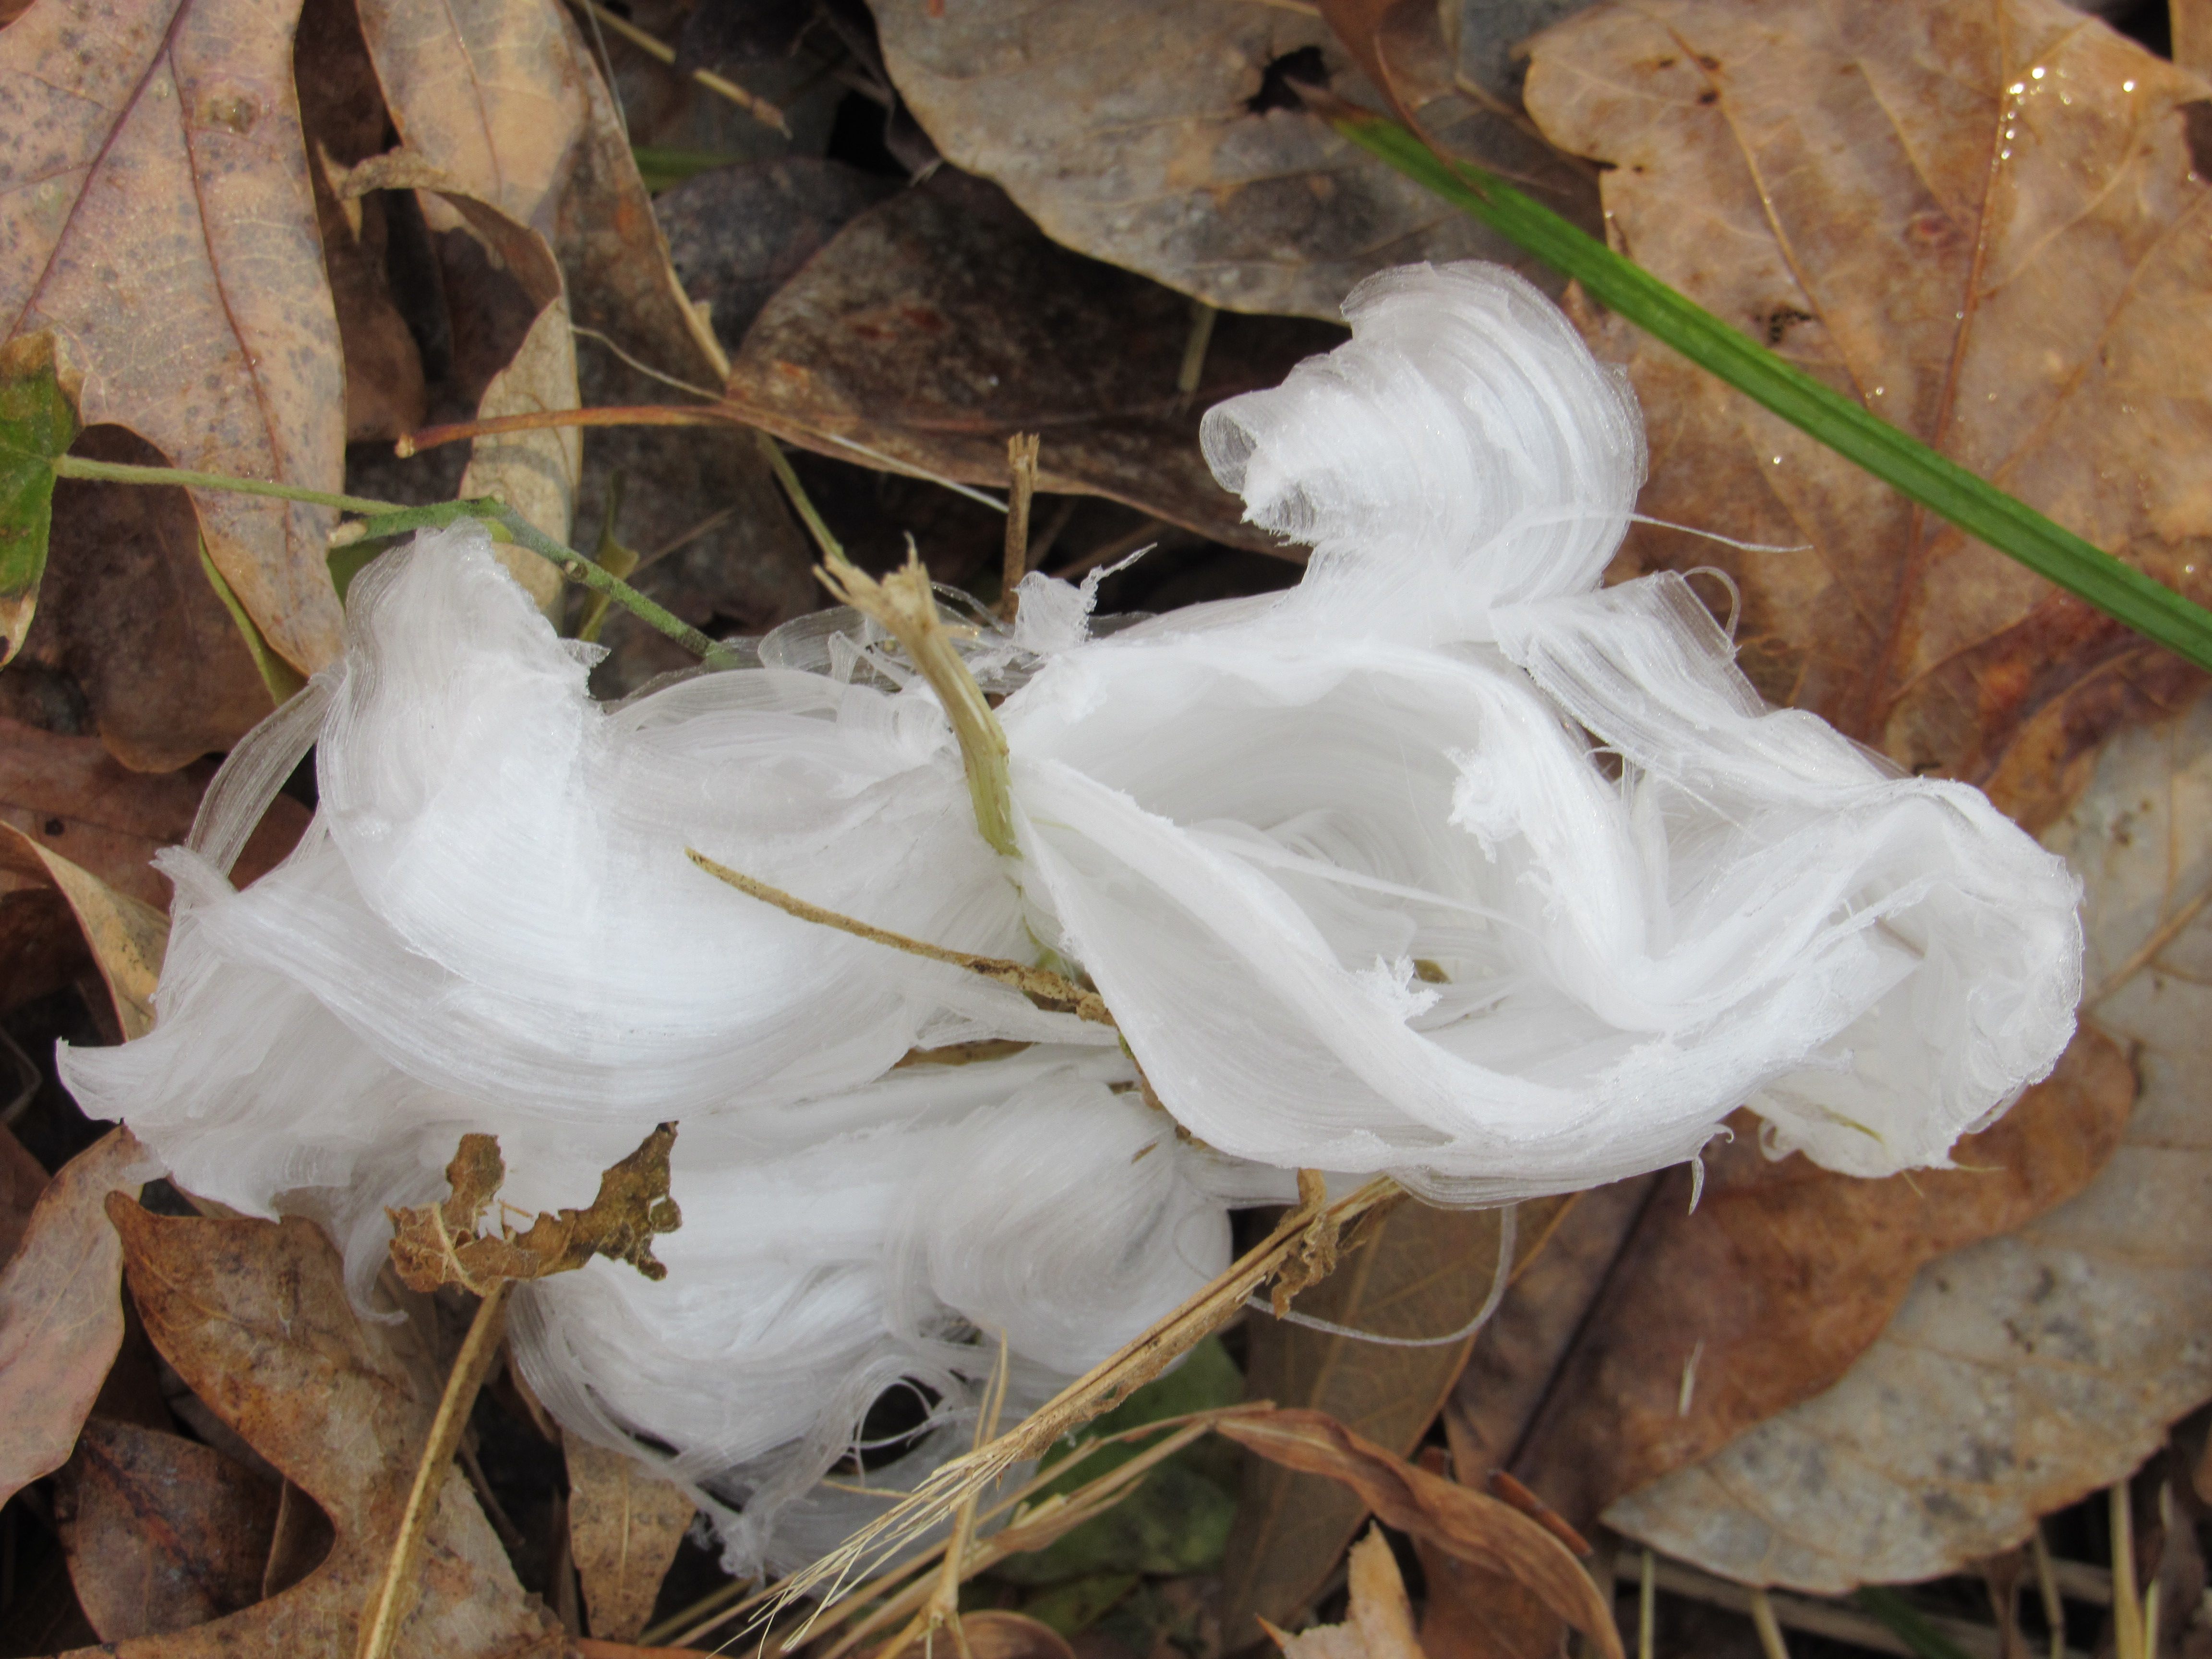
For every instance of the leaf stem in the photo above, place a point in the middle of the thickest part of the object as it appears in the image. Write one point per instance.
(380, 520)
(78, 466)
(1906, 463)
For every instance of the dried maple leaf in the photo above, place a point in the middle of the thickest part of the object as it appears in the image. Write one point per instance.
(435, 1244)
(1379, 1623)
(1987, 225)
(1168, 138)
(939, 323)
(61, 1309)
(1782, 1276)
(163, 230)
(253, 1315)
(2033, 1369)
(1413, 1271)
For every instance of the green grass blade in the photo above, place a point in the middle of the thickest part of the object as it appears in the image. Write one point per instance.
(1899, 460)
(1908, 1623)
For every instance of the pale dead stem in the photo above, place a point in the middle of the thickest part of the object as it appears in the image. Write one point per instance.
(1031, 1529)
(1054, 993)
(1304, 1239)
(1022, 470)
(394, 1597)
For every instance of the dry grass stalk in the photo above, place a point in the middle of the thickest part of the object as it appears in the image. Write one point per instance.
(1022, 470)
(905, 605)
(395, 1595)
(1054, 993)
(1290, 1247)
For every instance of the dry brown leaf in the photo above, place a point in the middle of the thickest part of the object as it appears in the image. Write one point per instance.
(1470, 1525)
(536, 473)
(623, 1528)
(736, 235)
(22, 1178)
(994, 1635)
(61, 1309)
(2033, 1368)
(345, 121)
(439, 1243)
(939, 324)
(162, 1532)
(130, 640)
(254, 1317)
(700, 508)
(126, 936)
(1782, 1276)
(1985, 225)
(1163, 138)
(1413, 1271)
(72, 796)
(170, 247)
(1469, 1612)
(490, 95)
(1379, 1624)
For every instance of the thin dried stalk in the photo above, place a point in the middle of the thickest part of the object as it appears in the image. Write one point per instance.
(1294, 1246)
(905, 604)
(1054, 993)
(395, 1595)
(1022, 470)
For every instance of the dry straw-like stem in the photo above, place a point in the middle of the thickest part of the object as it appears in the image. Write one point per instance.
(1022, 471)
(1054, 993)
(394, 1596)
(1301, 1240)
(905, 605)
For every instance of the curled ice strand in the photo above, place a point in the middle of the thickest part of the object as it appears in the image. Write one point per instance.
(1462, 450)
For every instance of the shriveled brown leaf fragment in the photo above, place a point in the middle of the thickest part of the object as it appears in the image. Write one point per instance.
(1167, 138)
(1379, 1624)
(1413, 1271)
(254, 1317)
(163, 228)
(1782, 1276)
(61, 1309)
(2032, 1369)
(127, 937)
(941, 322)
(165, 1533)
(435, 1244)
(1985, 225)
(1469, 1524)
(623, 1528)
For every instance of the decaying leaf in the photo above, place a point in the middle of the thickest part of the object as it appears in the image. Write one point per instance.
(939, 324)
(1986, 226)
(254, 1317)
(38, 421)
(536, 473)
(439, 1244)
(995, 1635)
(489, 94)
(127, 936)
(132, 637)
(700, 506)
(1713, 1320)
(72, 796)
(169, 246)
(2030, 1368)
(1414, 1271)
(61, 1309)
(164, 1532)
(1469, 1524)
(1167, 138)
(736, 235)
(1379, 1624)
(623, 1528)
(22, 1178)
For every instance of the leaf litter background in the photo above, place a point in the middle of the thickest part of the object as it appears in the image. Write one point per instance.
(270, 240)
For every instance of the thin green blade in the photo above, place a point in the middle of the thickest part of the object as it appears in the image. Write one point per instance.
(1906, 463)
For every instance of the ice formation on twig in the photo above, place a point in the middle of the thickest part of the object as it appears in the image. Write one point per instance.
(1446, 864)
